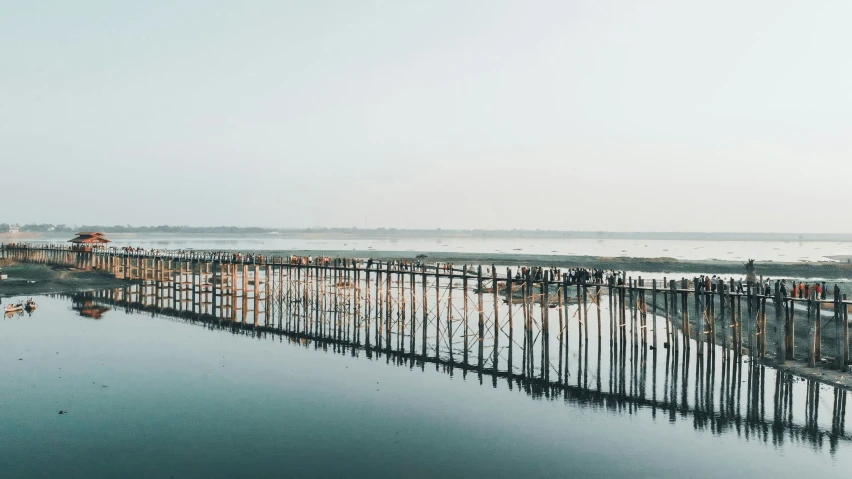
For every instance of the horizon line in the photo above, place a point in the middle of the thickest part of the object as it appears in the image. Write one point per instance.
(271, 229)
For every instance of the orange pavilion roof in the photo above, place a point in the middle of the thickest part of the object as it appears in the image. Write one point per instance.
(90, 238)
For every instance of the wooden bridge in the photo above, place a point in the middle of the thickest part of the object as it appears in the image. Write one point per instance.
(479, 317)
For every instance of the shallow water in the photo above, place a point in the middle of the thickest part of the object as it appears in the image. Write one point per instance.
(156, 396)
(678, 249)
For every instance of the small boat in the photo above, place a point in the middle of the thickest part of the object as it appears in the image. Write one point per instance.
(14, 308)
(31, 305)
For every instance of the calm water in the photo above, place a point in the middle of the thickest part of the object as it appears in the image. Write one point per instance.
(678, 249)
(159, 397)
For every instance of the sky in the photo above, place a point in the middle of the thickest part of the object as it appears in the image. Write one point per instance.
(599, 116)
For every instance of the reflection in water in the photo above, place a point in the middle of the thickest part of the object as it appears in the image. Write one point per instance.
(84, 305)
(718, 392)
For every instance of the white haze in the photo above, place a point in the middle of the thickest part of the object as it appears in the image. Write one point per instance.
(610, 115)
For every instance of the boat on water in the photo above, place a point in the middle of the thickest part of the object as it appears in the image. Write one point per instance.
(31, 305)
(14, 308)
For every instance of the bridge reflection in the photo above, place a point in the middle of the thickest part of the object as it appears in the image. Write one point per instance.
(720, 393)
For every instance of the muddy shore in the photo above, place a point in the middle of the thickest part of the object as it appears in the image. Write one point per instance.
(773, 269)
(35, 279)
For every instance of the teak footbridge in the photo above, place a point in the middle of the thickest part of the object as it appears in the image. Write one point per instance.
(535, 333)
(469, 313)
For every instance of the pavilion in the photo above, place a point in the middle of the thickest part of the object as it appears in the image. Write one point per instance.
(87, 240)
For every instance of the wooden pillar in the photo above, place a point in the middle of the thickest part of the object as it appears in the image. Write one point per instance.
(839, 344)
(818, 321)
(666, 300)
(654, 313)
(450, 315)
(545, 326)
(812, 333)
(598, 304)
(379, 303)
(737, 318)
(509, 294)
(750, 316)
(369, 305)
(496, 316)
(720, 289)
(425, 308)
(764, 329)
(685, 310)
(465, 312)
(413, 293)
(844, 308)
(580, 316)
(791, 328)
(780, 353)
(480, 308)
(699, 316)
(565, 331)
(438, 312)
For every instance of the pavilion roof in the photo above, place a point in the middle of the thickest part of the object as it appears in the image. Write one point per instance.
(90, 238)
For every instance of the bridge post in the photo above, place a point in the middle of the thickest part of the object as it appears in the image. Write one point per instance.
(654, 312)
(764, 328)
(700, 311)
(255, 292)
(710, 307)
(425, 315)
(509, 294)
(560, 283)
(480, 308)
(720, 288)
(437, 312)
(641, 307)
(526, 369)
(818, 320)
(667, 288)
(586, 307)
(369, 305)
(379, 306)
(791, 327)
(684, 298)
(496, 316)
(845, 318)
(412, 277)
(838, 338)
(450, 314)
(780, 353)
(737, 319)
(812, 333)
(545, 325)
(466, 315)
(581, 320)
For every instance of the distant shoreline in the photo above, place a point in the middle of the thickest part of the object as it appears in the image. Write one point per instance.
(391, 233)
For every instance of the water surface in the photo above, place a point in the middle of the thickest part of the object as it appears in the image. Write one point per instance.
(784, 251)
(154, 396)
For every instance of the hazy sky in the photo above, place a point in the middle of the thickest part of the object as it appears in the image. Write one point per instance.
(594, 115)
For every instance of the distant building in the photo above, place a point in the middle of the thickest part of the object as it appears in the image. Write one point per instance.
(88, 240)
(13, 230)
